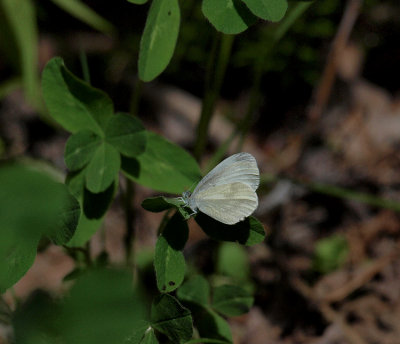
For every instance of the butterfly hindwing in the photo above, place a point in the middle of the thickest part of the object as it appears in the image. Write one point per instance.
(227, 203)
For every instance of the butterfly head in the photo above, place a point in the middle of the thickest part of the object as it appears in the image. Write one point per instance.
(186, 195)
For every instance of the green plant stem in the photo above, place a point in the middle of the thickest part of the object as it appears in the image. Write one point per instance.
(130, 189)
(366, 198)
(164, 221)
(216, 70)
(137, 92)
(87, 253)
(130, 230)
(85, 66)
(219, 154)
(259, 66)
(336, 191)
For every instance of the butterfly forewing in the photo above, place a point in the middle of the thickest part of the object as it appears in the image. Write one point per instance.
(227, 203)
(241, 167)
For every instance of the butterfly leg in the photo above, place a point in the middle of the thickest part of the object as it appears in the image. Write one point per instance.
(194, 212)
(182, 200)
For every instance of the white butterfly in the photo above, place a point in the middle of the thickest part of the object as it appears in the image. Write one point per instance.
(228, 192)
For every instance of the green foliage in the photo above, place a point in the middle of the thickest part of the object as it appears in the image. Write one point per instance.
(17, 257)
(97, 151)
(85, 230)
(235, 16)
(330, 253)
(228, 16)
(231, 300)
(80, 11)
(160, 203)
(228, 300)
(272, 10)
(73, 103)
(159, 38)
(20, 16)
(141, 334)
(164, 166)
(101, 307)
(29, 328)
(212, 325)
(68, 218)
(103, 168)
(149, 337)
(196, 290)
(248, 232)
(80, 148)
(32, 205)
(19, 33)
(169, 317)
(233, 261)
(99, 139)
(94, 207)
(137, 2)
(169, 262)
(126, 134)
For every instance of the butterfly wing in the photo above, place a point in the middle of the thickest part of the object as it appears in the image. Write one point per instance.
(240, 167)
(227, 203)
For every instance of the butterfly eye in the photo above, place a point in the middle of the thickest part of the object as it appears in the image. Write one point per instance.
(186, 194)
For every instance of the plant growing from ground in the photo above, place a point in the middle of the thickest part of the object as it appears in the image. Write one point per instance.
(104, 304)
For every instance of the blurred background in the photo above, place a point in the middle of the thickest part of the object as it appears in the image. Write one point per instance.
(324, 126)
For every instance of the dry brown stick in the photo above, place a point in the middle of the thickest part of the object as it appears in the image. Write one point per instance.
(323, 90)
(327, 311)
(323, 303)
(332, 316)
(365, 275)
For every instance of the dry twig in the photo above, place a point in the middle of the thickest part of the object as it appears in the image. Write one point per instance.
(328, 312)
(339, 43)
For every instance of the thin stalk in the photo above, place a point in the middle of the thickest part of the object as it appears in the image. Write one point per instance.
(342, 36)
(362, 197)
(214, 77)
(259, 70)
(88, 255)
(219, 154)
(130, 189)
(337, 191)
(85, 66)
(137, 92)
(130, 230)
(164, 221)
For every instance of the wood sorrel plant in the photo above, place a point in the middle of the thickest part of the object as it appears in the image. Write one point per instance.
(104, 305)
